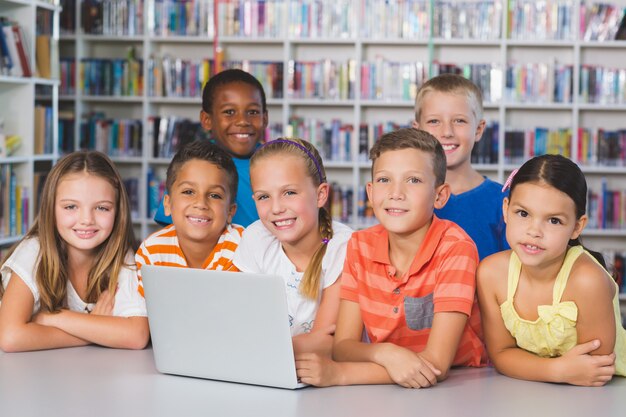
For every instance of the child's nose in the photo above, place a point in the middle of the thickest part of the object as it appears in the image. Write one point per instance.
(534, 229)
(86, 216)
(396, 191)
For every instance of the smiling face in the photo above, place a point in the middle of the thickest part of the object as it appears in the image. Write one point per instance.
(403, 191)
(287, 200)
(199, 202)
(449, 117)
(85, 209)
(237, 119)
(540, 221)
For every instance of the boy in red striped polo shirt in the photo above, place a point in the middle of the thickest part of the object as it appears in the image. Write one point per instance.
(408, 282)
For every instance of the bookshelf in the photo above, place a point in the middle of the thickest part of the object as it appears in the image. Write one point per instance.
(378, 52)
(29, 96)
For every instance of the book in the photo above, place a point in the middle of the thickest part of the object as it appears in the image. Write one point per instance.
(22, 50)
(42, 54)
(16, 67)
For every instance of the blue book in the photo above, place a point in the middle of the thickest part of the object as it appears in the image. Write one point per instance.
(12, 204)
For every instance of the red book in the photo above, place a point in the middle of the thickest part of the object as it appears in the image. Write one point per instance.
(21, 50)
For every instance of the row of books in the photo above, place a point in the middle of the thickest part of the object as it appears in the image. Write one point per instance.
(132, 190)
(606, 208)
(603, 22)
(14, 50)
(112, 17)
(601, 147)
(319, 19)
(488, 77)
(388, 80)
(44, 131)
(539, 83)
(67, 18)
(340, 202)
(67, 76)
(520, 145)
(323, 79)
(333, 139)
(183, 18)
(176, 77)
(467, 19)
(14, 203)
(66, 132)
(602, 85)
(111, 77)
(408, 19)
(115, 137)
(486, 150)
(541, 20)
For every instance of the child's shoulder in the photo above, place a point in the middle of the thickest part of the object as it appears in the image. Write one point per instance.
(493, 271)
(490, 189)
(588, 278)
(166, 233)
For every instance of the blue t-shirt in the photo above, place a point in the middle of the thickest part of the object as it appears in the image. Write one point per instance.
(479, 212)
(246, 209)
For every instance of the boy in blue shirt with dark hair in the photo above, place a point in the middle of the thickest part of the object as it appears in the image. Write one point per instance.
(234, 109)
(450, 107)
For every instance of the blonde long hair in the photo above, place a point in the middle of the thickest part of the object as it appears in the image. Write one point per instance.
(310, 284)
(52, 263)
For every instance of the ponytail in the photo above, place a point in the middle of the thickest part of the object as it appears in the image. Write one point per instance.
(310, 284)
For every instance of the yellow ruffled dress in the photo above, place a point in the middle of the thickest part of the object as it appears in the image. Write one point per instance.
(554, 331)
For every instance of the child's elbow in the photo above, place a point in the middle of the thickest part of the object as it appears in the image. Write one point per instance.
(140, 337)
(10, 340)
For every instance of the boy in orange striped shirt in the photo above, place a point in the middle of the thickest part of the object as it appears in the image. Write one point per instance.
(409, 282)
(201, 189)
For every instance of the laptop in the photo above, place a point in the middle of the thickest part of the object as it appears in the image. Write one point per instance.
(228, 326)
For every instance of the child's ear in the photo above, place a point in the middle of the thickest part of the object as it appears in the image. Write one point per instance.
(368, 190)
(415, 124)
(580, 225)
(505, 208)
(167, 209)
(231, 213)
(205, 120)
(480, 129)
(322, 194)
(442, 194)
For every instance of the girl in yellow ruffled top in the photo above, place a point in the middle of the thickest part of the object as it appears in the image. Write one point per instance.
(550, 309)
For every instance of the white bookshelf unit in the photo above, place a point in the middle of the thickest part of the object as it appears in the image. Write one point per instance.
(20, 94)
(359, 32)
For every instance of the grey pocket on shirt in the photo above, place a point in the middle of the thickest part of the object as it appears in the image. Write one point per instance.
(419, 312)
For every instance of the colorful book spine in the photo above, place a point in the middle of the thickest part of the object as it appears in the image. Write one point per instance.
(14, 203)
(340, 204)
(382, 19)
(602, 85)
(112, 77)
(521, 145)
(156, 189)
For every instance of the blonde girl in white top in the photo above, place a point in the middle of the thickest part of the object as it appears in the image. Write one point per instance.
(71, 280)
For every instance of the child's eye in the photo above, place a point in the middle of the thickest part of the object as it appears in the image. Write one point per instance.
(554, 220)
(187, 192)
(70, 207)
(460, 121)
(103, 208)
(254, 112)
(432, 121)
(215, 196)
(382, 180)
(290, 192)
(261, 197)
(229, 112)
(413, 180)
(522, 213)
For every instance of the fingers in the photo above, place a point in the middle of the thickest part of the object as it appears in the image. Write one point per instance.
(434, 370)
(585, 348)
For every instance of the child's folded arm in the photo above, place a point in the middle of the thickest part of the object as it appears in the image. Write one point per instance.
(593, 290)
(18, 333)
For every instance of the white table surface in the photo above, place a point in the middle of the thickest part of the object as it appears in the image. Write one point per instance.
(94, 381)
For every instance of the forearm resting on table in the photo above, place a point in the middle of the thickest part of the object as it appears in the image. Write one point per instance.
(32, 336)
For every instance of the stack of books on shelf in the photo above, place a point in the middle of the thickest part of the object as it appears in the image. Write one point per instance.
(340, 202)
(14, 50)
(112, 17)
(381, 19)
(316, 19)
(115, 137)
(541, 20)
(602, 85)
(183, 18)
(539, 82)
(467, 19)
(601, 147)
(607, 208)
(488, 77)
(332, 139)
(112, 77)
(323, 79)
(602, 22)
(46, 46)
(66, 131)
(169, 134)
(485, 151)
(14, 201)
(132, 189)
(388, 80)
(521, 145)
